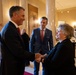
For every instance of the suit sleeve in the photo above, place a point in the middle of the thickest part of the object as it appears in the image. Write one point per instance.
(15, 45)
(32, 41)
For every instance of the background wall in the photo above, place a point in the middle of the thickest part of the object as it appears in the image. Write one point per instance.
(41, 7)
(67, 15)
(1, 14)
(4, 7)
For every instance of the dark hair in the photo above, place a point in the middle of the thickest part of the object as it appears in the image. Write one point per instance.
(44, 18)
(14, 9)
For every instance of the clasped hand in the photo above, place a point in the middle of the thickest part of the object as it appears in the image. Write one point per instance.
(39, 57)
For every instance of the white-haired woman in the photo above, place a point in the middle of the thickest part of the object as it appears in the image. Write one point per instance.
(60, 60)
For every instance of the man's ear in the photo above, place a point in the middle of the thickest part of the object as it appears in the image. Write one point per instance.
(15, 14)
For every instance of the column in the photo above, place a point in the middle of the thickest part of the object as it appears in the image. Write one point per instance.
(1, 15)
(24, 4)
(50, 12)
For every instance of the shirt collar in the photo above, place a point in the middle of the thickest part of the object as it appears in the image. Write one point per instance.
(14, 23)
(43, 29)
(60, 41)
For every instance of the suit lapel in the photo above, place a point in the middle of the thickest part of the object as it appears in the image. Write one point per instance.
(15, 29)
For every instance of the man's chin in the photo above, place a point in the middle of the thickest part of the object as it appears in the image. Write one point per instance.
(20, 24)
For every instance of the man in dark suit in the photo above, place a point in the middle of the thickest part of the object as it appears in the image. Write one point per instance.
(41, 41)
(13, 49)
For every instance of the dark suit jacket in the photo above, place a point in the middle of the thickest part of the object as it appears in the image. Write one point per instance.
(60, 60)
(13, 50)
(26, 40)
(37, 45)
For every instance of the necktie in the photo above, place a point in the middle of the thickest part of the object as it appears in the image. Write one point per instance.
(18, 29)
(42, 34)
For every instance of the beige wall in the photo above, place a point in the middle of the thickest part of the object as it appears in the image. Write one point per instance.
(67, 15)
(6, 4)
(41, 7)
(1, 13)
(4, 7)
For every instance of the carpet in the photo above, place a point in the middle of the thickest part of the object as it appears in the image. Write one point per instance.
(26, 73)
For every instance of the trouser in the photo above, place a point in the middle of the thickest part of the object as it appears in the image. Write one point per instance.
(9, 68)
(0, 69)
(36, 68)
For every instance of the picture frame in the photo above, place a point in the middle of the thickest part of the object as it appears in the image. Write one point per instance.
(32, 17)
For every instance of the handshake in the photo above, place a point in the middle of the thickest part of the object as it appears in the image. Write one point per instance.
(39, 57)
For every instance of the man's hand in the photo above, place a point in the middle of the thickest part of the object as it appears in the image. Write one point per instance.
(43, 57)
(38, 57)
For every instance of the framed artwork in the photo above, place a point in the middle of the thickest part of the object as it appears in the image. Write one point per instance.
(32, 17)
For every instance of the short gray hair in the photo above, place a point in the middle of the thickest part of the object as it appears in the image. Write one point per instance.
(67, 29)
(14, 9)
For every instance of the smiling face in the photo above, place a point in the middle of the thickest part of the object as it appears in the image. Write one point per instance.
(60, 34)
(43, 23)
(18, 17)
(64, 31)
